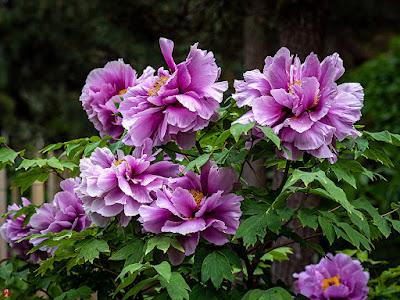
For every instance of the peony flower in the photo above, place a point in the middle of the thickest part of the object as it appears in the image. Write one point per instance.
(175, 104)
(65, 212)
(14, 230)
(194, 205)
(302, 103)
(103, 89)
(334, 277)
(118, 186)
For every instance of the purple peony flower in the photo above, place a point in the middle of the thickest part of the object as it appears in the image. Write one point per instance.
(334, 277)
(174, 105)
(14, 230)
(117, 187)
(65, 212)
(302, 103)
(103, 89)
(192, 205)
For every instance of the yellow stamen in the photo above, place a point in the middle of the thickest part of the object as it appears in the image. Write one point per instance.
(118, 162)
(293, 83)
(121, 92)
(330, 281)
(157, 86)
(198, 196)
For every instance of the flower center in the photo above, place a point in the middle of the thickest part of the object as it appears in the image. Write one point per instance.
(330, 281)
(157, 86)
(292, 84)
(121, 92)
(118, 162)
(198, 196)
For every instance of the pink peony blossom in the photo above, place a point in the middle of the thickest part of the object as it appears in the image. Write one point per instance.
(103, 89)
(65, 212)
(302, 103)
(119, 186)
(176, 103)
(334, 277)
(193, 205)
(14, 230)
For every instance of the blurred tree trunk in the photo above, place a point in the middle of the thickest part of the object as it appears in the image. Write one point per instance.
(300, 30)
(257, 45)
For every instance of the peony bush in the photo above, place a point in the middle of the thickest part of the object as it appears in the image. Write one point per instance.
(160, 205)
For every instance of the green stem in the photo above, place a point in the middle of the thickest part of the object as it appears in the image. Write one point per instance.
(285, 176)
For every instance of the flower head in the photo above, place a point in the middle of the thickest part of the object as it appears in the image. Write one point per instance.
(65, 212)
(334, 277)
(103, 91)
(194, 205)
(118, 186)
(302, 103)
(174, 104)
(14, 230)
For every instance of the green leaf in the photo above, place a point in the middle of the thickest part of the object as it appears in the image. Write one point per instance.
(231, 255)
(378, 220)
(207, 293)
(177, 287)
(343, 169)
(376, 152)
(216, 267)
(237, 129)
(164, 269)
(274, 221)
(84, 292)
(269, 133)
(277, 254)
(251, 229)
(327, 229)
(2, 140)
(92, 249)
(222, 137)
(163, 243)
(308, 218)
(8, 155)
(355, 237)
(134, 247)
(26, 179)
(198, 162)
(89, 148)
(55, 163)
(276, 293)
(137, 288)
(6, 271)
(396, 225)
(131, 269)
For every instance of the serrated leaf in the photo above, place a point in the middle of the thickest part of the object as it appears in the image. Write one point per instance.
(177, 287)
(55, 163)
(378, 220)
(355, 237)
(376, 152)
(396, 225)
(198, 162)
(231, 256)
(269, 133)
(222, 137)
(251, 229)
(276, 293)
(163, 243)
(327, 229)
(308, 217)
(92, 250)
(51, 147)
(134, 247)
(8, 155)
(277, 254)
(131, 269)
(137, 288)
(89, 148)
(164, 269)
(26, 179)
(208, 293)
(274, 222)
(5, 271)
(216, 267)
(237, 129)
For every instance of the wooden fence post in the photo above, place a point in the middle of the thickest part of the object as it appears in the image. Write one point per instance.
(3, 210)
